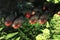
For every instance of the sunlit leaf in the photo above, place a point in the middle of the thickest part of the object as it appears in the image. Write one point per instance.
(56, 1)
(47, 24)
(18, 38)
(2, 37)
(56, 37)
(10, 35)
(1, 28)
(41, 37)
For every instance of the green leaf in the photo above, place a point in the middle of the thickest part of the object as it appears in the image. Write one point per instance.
(47, 24)
(2, 37)
(13, 39)
(40, 37)
(1, 28)
(56, 1)
(37, 25)
(18, 38)
(55, 22)
(48, 0)
(46, 31)
(56, 37)
(2, 20)
(10, 35)
(53, 1)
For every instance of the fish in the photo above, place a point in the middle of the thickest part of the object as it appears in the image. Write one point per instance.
(33, 19)
(44, 18)
(18, 22)
(27, 13)
(9, 19)
(6, 6)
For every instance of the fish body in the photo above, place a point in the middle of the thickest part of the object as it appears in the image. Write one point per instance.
(18, 22)
(9, 20)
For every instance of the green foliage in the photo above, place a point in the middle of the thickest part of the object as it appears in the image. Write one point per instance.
(40, 37)
(2, 37)
(44, 36)
(56, 37)
(55, 23)
(34, 32)
(54, 1)
(47, 24)
(1, 28)
(49, 30)
(10, 35)
(18, 38)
